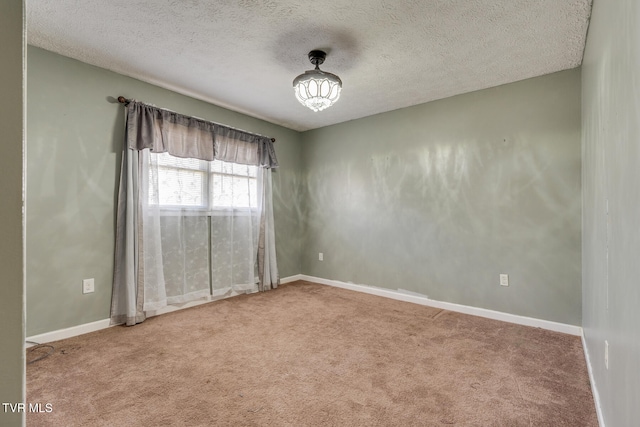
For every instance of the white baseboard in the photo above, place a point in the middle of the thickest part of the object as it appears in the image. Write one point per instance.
(388, 293)
(423, 300)
(594, 389)
(73, 331)
(105, 323)
(292, 279)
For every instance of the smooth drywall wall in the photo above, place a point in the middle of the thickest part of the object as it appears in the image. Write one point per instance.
(12, 333)
(441, 198)
(611, 177)
(75, 132)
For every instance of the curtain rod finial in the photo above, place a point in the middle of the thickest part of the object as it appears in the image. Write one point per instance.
(122, 100)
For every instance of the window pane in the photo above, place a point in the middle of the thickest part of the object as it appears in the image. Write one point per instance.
(180, 187)
(180, 182)
(233, 191)
(244, 170)
(233, 185)
(233, 168)
(241, 191)
(220, 190)
(184, 183)
(216, 166)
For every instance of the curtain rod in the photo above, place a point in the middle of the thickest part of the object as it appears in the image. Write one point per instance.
(123, 100)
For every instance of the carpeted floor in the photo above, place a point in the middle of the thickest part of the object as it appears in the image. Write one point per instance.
(313, 355)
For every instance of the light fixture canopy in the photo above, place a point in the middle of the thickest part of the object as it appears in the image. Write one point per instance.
(317, 89)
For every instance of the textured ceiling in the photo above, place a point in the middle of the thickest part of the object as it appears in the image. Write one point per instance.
(244, 54)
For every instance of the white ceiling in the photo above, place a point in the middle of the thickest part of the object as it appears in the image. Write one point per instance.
(244, 54)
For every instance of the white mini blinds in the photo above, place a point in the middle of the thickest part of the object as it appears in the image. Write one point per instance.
(201, 185)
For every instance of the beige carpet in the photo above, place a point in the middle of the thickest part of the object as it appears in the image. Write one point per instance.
(312, 355)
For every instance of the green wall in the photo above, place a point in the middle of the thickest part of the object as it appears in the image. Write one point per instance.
(12, 331)
(75, 131)
(441, 198)
(611, 241)
(437, 199)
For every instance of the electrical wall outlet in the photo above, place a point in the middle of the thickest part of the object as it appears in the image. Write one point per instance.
(88, 286)
(320, 256)
(606, 354)
(504, 280)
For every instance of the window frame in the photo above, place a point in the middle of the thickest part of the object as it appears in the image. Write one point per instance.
(208, 208)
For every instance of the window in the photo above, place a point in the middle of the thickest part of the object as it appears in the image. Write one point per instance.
(201, 185)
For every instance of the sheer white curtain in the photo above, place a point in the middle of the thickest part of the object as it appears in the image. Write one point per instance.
(234, 228)
(177, 232)
(195, 216)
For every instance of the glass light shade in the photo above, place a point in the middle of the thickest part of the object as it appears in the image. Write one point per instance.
(316, 89)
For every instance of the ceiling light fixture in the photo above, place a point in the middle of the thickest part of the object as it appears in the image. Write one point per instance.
(317, 89)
